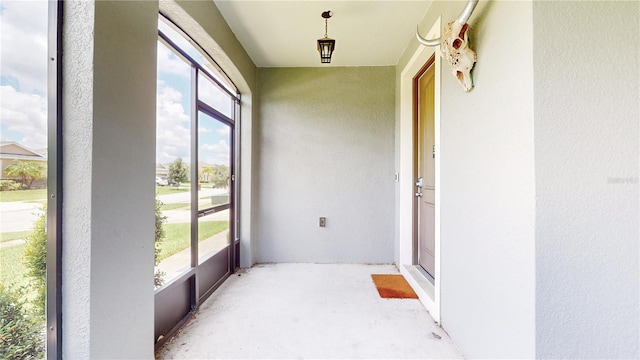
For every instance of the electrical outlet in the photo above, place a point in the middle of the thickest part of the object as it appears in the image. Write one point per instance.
(323, 221)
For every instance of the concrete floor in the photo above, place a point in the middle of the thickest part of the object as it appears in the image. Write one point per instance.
(279, 311)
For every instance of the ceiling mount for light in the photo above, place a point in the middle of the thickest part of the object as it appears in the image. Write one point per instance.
(326, 45)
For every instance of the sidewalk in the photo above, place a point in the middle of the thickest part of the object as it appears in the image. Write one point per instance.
(12, 243)
(186, 196)
(18, 215)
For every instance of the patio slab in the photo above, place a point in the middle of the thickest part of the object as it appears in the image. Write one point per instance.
(320, 311)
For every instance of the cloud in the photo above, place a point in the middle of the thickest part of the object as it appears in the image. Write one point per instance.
(25, 114)
(224, 131)
(216, 153)
(203, 130)
(213, 96)
(172, 131)
(169, 63)
(24, 44)
(23, 101)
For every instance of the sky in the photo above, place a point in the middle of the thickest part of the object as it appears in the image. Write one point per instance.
(23, 72)
(23, 87)
(173, 129)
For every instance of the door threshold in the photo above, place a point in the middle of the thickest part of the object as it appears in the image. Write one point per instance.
(423, 288)
(426, 274)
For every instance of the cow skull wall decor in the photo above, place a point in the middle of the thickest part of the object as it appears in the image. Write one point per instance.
(456, 52)
(454, 45)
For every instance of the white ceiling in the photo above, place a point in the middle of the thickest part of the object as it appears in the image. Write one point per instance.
(285, 33)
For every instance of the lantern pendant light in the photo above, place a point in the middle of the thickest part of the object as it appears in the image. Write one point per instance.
(326, 45)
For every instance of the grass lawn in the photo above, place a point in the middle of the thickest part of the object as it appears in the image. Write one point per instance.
(13, 270)
(164, 190)
(177, 236)
(174, 206)
(8, 236)
(23, 195)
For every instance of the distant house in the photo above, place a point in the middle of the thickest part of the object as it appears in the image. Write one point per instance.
(11, 151)
(162, 170)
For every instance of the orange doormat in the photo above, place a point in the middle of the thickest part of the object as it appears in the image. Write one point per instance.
(393, 287)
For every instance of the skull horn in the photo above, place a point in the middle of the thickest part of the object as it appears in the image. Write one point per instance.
(467, 11)
(425, 42)
(462, 19)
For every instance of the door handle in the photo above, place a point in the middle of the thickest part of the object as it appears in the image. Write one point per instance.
(419, 194)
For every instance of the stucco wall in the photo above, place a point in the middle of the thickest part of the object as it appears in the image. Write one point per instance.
(109, 151)
(587, 106)
(487, 268)
(77, 160)
(325, 140)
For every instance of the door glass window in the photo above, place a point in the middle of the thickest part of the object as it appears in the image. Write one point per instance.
(214, 154)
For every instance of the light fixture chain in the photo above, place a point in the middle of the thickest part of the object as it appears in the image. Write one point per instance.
(325, 27)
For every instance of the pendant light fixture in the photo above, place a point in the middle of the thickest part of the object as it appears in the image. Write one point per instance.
(326, 45)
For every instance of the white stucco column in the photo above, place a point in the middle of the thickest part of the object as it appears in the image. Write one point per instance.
(108, 200)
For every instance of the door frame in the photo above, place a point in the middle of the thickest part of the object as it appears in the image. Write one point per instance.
(429, 294)
(417, 131)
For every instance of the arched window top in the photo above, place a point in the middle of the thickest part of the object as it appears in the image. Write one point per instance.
(189, 50)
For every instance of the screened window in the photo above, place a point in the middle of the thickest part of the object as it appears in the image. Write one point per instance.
(197, 115)
(24, 170)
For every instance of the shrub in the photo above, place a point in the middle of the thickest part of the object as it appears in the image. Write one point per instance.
(35, 260)
(160, 220)
(21, 335)
(10, 185)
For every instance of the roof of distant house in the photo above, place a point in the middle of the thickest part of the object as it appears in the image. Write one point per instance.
(12, 150)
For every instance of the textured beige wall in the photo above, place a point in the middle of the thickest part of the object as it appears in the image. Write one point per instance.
(587, 106)
(325, 140)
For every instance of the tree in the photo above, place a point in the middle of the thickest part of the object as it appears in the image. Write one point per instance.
(178, 172)
(205, 173)
(28, 171)
(220, 176)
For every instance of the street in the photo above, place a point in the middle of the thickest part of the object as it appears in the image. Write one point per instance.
(20, 215)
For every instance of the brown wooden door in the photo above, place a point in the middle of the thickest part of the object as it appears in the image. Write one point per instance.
(426, 167)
